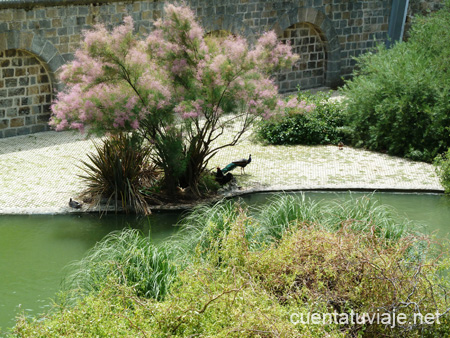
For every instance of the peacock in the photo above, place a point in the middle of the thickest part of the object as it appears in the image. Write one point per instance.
(221, 178)
(238, 163)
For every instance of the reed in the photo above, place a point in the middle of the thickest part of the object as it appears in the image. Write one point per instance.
(129, 258)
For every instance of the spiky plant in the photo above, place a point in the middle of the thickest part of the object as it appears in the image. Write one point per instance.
(117, 172)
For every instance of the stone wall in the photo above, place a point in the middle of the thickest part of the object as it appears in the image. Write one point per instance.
(326, 33)
(25, 94)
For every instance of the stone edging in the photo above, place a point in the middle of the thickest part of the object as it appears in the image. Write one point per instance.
(227, 195)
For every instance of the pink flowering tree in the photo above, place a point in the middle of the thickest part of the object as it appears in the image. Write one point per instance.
(176, 87)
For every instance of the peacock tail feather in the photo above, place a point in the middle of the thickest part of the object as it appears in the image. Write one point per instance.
(228, 168)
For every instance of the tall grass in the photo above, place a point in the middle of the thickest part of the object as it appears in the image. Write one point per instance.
(205, 232)
(203, 229)
(366, 214)
(283, 211)
(130, 259)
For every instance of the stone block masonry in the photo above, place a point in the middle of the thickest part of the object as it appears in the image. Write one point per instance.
(25, 94)
(41, 35)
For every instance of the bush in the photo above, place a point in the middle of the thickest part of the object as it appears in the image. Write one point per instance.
(442, 164)
(350, 271)
(398, 100)
(322, 123)
(118, 171)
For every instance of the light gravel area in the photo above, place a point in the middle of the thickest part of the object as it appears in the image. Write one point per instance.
(39, 172)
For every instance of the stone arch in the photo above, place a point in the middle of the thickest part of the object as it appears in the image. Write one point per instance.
(27, 80)
(229, 24)
(34, 44)
(324, 30)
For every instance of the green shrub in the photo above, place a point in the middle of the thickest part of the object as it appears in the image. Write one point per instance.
(322, 125)
(442, 164)
(117, 172)
(398, 99)
(350, 271)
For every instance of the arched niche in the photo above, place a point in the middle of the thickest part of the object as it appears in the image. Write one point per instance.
(322, 28)
(27, 82)
(310, 70)
(26, 93)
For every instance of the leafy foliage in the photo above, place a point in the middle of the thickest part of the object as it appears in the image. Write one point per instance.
(398, 100)
(442, 164)
(321, 121)
(118, 170)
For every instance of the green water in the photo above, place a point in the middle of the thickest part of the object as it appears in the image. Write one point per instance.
(35, 249)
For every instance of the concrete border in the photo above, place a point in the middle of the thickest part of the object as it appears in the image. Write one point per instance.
(227, 195)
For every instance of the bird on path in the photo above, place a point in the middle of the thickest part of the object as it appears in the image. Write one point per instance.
(237, 163)
(341, 145)
(221, 178)
(74, 204)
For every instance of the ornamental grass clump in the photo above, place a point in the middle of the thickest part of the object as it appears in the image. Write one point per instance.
(285, 211)
(177, 88)
(203, 230)
(127, 258)
(118, 171)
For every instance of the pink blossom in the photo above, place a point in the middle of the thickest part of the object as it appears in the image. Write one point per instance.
(310, 107)
(235, 48)
(77, 125)
(196, 32)
(217, 63)
(135, 124)
(62, 125)
(190, 114)
(179, 66)
(131, 102)
(137, 57)
(292, 103)
(97, 36)
(268, 39)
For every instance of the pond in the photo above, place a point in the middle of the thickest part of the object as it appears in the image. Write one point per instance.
(34, 250)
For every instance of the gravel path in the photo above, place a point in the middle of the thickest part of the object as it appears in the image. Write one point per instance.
(38, 173)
